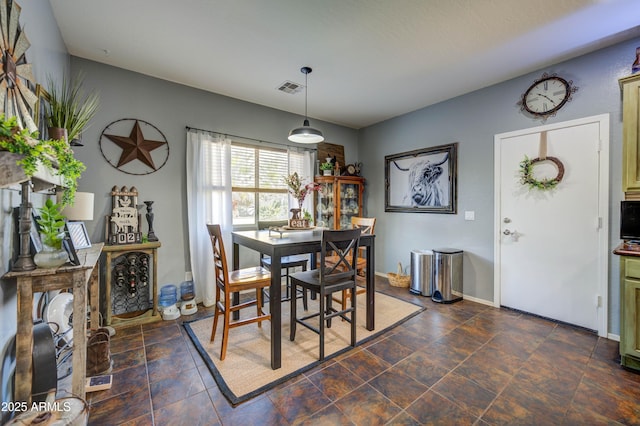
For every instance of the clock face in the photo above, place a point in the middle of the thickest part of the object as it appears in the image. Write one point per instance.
(547, 95)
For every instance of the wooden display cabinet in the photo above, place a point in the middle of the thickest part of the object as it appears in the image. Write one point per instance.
(339, 199)
(125, 262)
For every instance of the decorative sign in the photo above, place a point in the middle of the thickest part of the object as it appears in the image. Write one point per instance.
(124, 223)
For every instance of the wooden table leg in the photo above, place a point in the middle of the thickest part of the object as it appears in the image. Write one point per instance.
(275, 308)
(371, 287)
(24, 340)
(79, 360)
(94, 293)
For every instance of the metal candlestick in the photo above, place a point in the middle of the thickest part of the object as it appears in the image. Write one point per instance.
(151, 236)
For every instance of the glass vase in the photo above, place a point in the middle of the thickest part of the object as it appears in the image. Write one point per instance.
(50, 257)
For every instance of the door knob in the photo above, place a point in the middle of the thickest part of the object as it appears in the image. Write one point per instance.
(507, 220)
(507, 232)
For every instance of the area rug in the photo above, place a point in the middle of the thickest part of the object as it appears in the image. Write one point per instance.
(246, 371)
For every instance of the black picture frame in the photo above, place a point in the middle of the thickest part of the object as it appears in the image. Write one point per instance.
(71, 251)
(422, 181)
(34, 235)
(77, 232)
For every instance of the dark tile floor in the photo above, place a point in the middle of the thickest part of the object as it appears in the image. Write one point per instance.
(457, 364)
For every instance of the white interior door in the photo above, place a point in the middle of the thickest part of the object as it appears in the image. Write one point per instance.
(551, 245)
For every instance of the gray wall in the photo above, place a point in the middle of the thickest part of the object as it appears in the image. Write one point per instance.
(48, 56)
(171, 107)
(473, 120)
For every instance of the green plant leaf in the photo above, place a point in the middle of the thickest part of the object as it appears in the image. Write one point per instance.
(68, 107)
(36, 151)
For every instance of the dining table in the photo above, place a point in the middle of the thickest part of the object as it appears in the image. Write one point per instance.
(286, 242)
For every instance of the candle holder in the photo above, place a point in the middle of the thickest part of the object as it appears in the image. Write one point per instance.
(151, 236)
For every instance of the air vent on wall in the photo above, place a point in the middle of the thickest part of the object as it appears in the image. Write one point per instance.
(290, 87)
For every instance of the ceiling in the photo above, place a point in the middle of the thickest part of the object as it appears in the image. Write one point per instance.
(372, 59)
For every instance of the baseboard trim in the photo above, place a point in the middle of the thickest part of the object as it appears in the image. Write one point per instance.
(477, 300)
(464, 296)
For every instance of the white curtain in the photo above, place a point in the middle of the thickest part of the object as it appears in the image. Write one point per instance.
(208, 202)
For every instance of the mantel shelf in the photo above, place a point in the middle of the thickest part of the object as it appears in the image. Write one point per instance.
(12, 175)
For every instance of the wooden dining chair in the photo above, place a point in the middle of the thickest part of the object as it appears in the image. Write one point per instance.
(327, 281)
(228, 282)
(367, 226)
(287, 263)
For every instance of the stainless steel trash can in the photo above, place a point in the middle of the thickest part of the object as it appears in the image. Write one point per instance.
(421, 272)
(447, 275)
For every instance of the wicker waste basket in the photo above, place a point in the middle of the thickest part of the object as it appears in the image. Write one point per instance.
(399, 279)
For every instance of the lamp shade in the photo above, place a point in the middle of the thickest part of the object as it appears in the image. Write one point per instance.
(82, 208)
(306, 134)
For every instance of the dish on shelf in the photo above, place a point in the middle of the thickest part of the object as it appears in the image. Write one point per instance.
(58, 315)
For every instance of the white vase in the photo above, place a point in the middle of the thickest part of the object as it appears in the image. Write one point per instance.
(50, 257)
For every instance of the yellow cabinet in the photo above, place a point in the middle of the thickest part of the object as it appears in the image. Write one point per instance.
(630, 87)
(630, 311)
(339, 199)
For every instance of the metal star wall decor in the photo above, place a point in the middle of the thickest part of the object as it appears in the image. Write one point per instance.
(122, 151)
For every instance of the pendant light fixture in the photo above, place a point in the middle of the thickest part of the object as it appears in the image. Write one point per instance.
(306, 133)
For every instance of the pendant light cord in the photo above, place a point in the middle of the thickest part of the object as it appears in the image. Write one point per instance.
(306, 92)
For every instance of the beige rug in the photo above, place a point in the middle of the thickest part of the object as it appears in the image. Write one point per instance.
(246, 370)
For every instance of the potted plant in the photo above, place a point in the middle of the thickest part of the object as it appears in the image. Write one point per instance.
(51, 223)
(54, 155)
(69, 109)
(306, 215)
(326, 168)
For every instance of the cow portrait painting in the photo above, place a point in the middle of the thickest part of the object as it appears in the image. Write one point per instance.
(422, 181)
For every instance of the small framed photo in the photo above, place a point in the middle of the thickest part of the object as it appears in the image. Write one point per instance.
(71, 251)
(78, 235)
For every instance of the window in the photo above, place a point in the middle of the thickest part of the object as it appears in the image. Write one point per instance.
(257, 182)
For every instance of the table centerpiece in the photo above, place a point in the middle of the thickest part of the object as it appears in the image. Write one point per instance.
(299, 190)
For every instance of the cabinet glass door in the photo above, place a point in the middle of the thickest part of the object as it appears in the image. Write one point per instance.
(325, 206)
(349, 194)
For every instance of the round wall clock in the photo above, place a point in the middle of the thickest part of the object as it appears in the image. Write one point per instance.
(134, 146)
(547, 95)
(17, 97)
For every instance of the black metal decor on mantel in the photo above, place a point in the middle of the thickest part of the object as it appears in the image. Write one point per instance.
(151, 235)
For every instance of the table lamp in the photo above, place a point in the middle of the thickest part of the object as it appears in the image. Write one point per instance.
(82, 208)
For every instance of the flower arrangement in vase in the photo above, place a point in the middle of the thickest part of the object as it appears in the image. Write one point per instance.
(299, 190)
